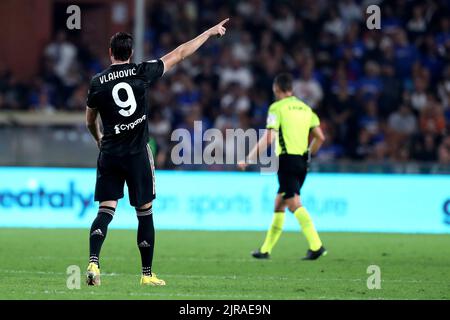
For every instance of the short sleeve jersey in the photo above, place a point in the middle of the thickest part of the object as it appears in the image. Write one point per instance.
(292, 119)
(120, 94)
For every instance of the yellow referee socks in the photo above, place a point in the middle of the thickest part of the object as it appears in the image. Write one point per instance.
(274, 232)
(308, 228)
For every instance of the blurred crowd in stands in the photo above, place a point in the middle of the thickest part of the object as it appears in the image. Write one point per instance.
(382, 95)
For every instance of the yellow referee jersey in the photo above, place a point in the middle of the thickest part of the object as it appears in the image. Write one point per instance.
(293, 119)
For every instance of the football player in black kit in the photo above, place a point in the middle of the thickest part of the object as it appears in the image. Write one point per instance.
(119, 96)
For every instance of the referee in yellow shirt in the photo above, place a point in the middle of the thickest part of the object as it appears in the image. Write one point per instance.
(290, 121)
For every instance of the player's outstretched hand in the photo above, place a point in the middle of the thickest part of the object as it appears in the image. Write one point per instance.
(219, 28)
(242, 165)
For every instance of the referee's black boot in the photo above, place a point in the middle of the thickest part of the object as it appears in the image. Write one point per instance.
(260, 255)
(313, 255)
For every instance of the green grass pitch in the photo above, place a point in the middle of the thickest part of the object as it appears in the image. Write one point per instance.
(217, 265)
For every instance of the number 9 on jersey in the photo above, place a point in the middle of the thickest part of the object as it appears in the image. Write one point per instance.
(129, 103)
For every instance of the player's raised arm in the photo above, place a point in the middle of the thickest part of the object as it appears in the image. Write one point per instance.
(186, 49)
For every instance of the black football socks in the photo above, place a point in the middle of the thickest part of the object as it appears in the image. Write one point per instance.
(146, 239)
(99, 229)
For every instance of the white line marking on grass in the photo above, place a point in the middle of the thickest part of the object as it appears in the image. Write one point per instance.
(185, 259)
(234, 277)
(195, 295)
(149, 294)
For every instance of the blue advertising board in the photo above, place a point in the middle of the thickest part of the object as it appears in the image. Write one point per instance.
(63, 198)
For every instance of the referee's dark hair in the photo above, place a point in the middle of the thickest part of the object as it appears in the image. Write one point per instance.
(121, 45)
(284, 81)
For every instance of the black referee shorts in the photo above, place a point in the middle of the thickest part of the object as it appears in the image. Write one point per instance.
(137, 170)
(291, 174)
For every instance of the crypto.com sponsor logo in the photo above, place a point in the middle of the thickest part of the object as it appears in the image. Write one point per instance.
(196, 146)
(41, 197)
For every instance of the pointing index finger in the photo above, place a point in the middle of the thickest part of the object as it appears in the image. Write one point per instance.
(224, 21)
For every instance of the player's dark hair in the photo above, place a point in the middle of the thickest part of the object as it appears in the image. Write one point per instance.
(284, 81)
(121, 45)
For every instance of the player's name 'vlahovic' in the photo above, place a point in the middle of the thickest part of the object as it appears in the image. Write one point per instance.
(117, 74)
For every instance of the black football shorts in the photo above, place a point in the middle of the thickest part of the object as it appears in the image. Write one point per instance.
(137, 170)
(291, 174)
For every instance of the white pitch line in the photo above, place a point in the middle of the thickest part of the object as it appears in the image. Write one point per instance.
(185, 259)
(234, 277)
(195, 295)
(208, 296)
